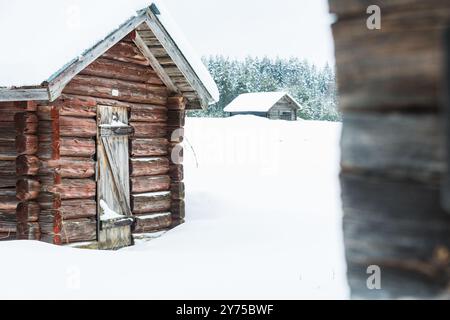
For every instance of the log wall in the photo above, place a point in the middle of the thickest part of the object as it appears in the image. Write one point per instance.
(176, 122)
(67, 130)
(393, 146)
(282, 106)
(12, 115)
(8, 201)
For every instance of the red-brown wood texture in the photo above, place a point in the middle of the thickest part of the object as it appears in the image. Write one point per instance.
(8, 202)
(26, 124)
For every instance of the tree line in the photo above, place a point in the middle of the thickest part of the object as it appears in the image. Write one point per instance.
(314, 88)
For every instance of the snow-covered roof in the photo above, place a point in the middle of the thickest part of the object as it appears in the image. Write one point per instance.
(43, 39)
(258, 102)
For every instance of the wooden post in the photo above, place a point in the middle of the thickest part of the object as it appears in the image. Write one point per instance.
(393, 148)
(176, 120)
(27, 166)
(51, 169)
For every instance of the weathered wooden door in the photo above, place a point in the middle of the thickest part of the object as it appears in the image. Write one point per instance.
(113, 186)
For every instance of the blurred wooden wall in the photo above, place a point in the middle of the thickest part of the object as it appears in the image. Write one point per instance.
(391, 83)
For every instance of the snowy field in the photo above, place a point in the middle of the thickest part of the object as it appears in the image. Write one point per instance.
(263, 222)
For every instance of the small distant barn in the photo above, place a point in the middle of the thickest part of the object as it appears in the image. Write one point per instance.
(91, 153)
(272, 105)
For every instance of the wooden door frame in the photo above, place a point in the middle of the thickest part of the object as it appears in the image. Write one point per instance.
(107, 155)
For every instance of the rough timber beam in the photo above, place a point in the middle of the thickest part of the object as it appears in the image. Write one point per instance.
(154, 63)
(181, 62)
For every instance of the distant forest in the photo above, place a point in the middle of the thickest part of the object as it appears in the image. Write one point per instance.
(314, 88)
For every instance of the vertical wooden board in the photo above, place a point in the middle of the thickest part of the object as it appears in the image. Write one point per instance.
(108, 191)
(115, 238)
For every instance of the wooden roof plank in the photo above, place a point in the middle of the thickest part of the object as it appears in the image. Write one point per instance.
(154, 63)
(24, 94)
(170, 46)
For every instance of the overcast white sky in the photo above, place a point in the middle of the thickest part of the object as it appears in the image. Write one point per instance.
(237, 28)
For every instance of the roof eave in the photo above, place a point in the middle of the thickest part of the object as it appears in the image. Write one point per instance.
(297, 105)
(51, 90)
(62, 78)
(24, 94)
(206, 98)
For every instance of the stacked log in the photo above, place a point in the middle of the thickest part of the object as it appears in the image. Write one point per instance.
(8, 220)
(66, 171)
(102, 88)
(49, 150)
(393, 146)
(176, 120)
(16, 120)
(27, 185)
(149, 169)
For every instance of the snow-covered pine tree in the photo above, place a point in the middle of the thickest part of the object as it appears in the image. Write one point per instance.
(313, 87)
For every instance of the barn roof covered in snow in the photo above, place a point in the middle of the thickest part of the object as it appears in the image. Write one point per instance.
(259, 102)
(46, 43)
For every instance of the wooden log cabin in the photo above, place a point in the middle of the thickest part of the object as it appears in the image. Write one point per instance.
(93, 153)
(395, 146)
(271, 105)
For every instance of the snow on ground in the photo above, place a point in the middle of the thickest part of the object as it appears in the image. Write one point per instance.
(264, 222)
